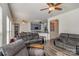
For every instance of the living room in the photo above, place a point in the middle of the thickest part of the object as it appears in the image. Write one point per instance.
(26, 21)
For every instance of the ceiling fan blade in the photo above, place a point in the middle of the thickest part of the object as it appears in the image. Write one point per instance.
(44, 9)
(49, 12)
(58, 8)
(50, 4)
(57, 4)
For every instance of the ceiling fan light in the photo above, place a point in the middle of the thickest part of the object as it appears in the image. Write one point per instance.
(23, 22)
(52, 8)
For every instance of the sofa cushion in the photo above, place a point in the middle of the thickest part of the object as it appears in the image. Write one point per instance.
(35, 35)
(70, 47)
(33, 41)
(73, 39)
(63, 37)
(65, 46)
(59, 44)
(1, 52)
(12, 48)
(29, 36)
(22, 52)
(74, 36)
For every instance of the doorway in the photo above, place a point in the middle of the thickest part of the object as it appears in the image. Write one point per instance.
(54, 28)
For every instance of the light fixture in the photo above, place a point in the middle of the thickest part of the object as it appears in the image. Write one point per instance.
(24, 21)
(52, 8)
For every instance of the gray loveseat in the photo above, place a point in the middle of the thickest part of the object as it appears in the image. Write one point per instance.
(68, 41)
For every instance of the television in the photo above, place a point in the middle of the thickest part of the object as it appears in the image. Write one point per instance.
(35, 26)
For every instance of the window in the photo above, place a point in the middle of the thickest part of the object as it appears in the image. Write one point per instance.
(8, 29)
(0, 26)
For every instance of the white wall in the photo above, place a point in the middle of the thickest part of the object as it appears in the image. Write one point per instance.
(68, 22)
(25, 27)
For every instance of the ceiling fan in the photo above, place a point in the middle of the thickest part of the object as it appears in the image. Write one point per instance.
(52, 7)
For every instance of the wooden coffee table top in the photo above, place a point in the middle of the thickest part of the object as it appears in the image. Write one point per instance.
(41, 46)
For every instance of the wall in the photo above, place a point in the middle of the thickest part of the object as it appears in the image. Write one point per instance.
(25, 27)
(68, 22)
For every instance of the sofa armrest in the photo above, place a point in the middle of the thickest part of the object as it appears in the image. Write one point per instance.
(1, 53)
(77, 49)
(33, 41)
(53, 40)
(56, 39)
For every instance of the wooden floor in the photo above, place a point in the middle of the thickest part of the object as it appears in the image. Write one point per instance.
(51, 50)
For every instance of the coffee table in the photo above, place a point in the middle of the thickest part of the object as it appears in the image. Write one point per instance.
(40, 46)
(36, 49)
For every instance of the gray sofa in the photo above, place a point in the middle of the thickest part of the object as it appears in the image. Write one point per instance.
(68, 41)
(19, 48)
(29, 37)
(16, 48)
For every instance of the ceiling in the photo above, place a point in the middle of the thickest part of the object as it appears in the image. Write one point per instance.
(31, 11)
